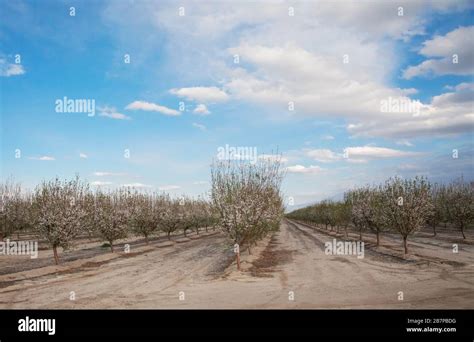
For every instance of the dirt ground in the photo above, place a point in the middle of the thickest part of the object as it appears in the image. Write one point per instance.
(286, 270)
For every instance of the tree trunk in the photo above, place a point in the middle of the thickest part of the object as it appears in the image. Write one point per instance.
(185, 233)
(378, 238)
(55, 253)
(360, 234)
(168, 234)
(250, 252)
(111, 246)
(405, 245)
(206, 229)
(345, 231)
(434, 230)
(238, 259)
(146, 239)
(462, 231)
(197, 230)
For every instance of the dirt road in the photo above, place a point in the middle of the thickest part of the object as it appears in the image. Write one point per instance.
(288, 270)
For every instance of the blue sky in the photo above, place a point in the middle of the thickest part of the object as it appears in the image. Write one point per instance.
(336, 62)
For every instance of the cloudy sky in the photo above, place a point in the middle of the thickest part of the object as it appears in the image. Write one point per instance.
(349, 92)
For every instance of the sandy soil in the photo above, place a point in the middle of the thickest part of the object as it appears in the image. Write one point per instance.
(197, 273)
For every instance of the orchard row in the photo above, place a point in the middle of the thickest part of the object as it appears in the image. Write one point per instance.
(399, 205)
(245, 202)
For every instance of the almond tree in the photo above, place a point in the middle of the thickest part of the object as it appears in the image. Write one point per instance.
(211, 216)
(188, 214)
(325, 213)
(200, 214)
(5, 228)
(16, 213)
(369, 208)
(343, 213)
(437, 200)
(88, 222)
(443, 192)
(59, 212)
(266, 218)
(312, 214)
(461, 204)
(145, 213)
(112, 215)
(330, 213)
(356, 198)
(247, 198)
(205, 214)
(408, 205)
(171, 216)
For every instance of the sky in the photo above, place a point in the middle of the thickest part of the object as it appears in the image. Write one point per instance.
(348, 92)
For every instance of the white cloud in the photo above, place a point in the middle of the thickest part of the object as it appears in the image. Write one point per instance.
(323, 155)
(317, 83)
(169, 187)
(327, 137)
(199, 126)
(303, 169)
(201, 109)
(273, 157)
(43, 158)
(404, 142)
(458, 42)
(369, 16)
(201, 183)
(100, 183)
(320, 85)
(364, 153)
(357, 154)
(83, 155)
(227, 18)
(136, 185)
(105, 173)
(309, 71)
(462, 94)
(357, 161)
(10, 69)
(447, 114)
(153, 107)
(112, 113)
(201, 94)
(409, 167)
